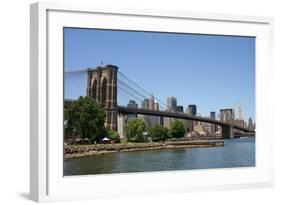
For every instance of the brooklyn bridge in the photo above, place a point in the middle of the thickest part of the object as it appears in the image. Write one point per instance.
(103, 84)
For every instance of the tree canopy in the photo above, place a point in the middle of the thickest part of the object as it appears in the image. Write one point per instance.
(159, 133)
(85, 117)
(177, 129)
(112, 135)
(135, 129)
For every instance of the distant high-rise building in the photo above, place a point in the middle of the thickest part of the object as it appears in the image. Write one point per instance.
(239, 112)
(156, 105)
(145, 104)
(171, 107)
(251, 124)
(132, 104)
(213, 126)
(192, 110)
(213, 115)
(171, 104)
(151, 103)
(158, 119)
(239, 121)
(179, 108)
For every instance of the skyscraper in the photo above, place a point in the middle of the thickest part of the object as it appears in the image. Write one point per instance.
(192, 110)
(179, 108)
(239, 111)
(213, 115)
(213, 126)
(156, 105)
(150, 104)
(171, 104)
(184, 122)
(145, 106)
(239, 121)
(157, 118)
(132, 104)
(251, 124)
(171, 107)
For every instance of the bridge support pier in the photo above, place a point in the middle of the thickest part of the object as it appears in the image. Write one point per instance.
(111, 120)
(121, 122)
(227, 132)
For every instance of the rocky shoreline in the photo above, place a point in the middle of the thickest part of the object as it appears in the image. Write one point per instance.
(74, 151)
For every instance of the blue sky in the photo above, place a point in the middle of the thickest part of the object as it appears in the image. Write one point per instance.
(210, 71)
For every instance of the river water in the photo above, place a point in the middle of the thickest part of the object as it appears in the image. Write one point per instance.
(234, 153)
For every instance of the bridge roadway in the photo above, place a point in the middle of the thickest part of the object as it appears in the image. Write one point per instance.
(126, 110)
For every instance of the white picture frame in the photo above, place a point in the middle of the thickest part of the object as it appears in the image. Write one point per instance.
(46, 145)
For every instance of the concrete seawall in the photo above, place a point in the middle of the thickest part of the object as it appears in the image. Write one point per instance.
(72, 151)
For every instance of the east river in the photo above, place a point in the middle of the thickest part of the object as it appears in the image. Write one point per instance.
(234, 153)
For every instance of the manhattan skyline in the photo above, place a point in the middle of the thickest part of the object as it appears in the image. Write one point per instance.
(213, 72)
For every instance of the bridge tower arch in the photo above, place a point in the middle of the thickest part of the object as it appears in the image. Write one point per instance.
(228, 116)
(94, 89)
(102, 86)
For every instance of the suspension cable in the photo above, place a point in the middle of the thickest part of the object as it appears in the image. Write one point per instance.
(149, 94)
(122, 82)
(130, 94)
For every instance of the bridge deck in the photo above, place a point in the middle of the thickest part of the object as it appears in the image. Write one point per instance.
(126, 110)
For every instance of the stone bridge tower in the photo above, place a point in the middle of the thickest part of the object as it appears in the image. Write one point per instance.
(228, 116)
(102, 86)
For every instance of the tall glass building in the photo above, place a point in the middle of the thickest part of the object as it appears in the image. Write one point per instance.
(172, 104)
(192, 110)
(132, 104)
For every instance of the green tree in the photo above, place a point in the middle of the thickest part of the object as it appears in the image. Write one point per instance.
(159, 133)
(177, 129)
(112, 135)
(134, 130)
(86, 117)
